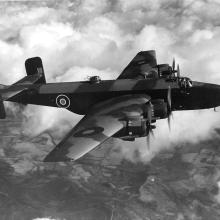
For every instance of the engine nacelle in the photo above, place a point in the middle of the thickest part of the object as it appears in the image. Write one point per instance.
(156, 109)
(140, 126)
(133, 129)
(159, 109)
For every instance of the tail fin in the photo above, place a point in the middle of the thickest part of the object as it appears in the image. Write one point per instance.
(34, 66)
(35, 72)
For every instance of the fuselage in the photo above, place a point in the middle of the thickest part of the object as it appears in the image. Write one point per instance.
(84, 95)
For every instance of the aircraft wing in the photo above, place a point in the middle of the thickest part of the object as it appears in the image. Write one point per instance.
(143, 62)
(103, 121)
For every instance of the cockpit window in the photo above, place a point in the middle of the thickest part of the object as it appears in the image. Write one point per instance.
(153, 73)
(185, 83)
(190, 83)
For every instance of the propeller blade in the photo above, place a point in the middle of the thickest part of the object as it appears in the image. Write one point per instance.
(148, 141)
(149, 117)
(149, 113)
(169, 106)
(169, 122)
(178, 70)
(169, 101)
(173, 65)
(151, 133)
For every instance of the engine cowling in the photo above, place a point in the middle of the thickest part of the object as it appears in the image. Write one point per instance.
(133, 129)
(141, 126)
(159, 109)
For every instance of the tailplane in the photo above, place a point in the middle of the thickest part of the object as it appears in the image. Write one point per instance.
(16, 92)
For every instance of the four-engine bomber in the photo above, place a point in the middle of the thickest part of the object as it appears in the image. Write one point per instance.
(126, 108)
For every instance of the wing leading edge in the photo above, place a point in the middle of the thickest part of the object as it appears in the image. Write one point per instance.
(103, 121)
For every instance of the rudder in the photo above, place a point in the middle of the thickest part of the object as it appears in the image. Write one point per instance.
(34, 66)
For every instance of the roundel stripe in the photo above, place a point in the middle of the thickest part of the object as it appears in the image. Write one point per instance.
(63, 101)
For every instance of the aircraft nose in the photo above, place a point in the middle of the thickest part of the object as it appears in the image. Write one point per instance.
(209, 94)
(213, 91)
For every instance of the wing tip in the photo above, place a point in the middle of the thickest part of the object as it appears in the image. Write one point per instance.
(56, 158)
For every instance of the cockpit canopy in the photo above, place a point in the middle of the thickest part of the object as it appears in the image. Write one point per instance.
(152, 73)
(94, 79)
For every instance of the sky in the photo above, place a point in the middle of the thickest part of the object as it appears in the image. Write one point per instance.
(80, 38)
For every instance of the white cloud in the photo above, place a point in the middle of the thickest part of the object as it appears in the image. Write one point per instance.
(139, 4)
(93, 6)
(158, 38)
(45, 35)
(48, 218)
(217, 197)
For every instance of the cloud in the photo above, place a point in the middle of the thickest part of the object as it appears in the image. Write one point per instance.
(48, 218)
(79, 38)
(38, 119)
(217, 197)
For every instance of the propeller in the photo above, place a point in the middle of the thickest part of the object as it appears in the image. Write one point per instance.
(169, 106)
(174, 68)
(151, 132)
(178, 70)
(149, 117)
(173, 65)
(148, 141)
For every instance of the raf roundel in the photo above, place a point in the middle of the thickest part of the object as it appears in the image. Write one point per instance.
(63, 101)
